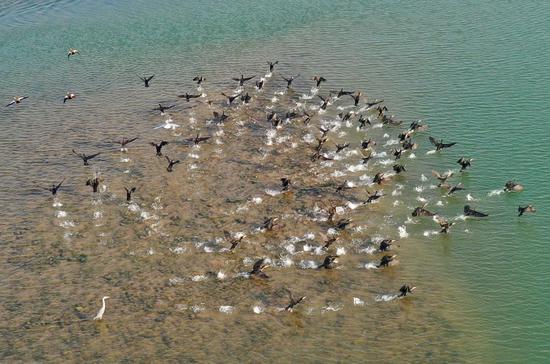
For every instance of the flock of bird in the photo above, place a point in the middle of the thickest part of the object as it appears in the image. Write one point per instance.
(365, 112)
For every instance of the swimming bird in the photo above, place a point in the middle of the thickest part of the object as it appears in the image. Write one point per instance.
(258, 269)
(259, 84)
(398, 168)
(99, 315)
(230, 99)
(341, 147)
(72, 52)
(421, 211)
(397, 153)
(443, 223)
(346, 116)
(159, 146)
(289, 80)
(55, 188)
(94, 183)
(329, 262)
(85, 158)
(272, 65)
(171, 164)
(293, 302)
(188, 97)
(199, 80)
(528, 208)
(233, 240)
(442, 177)
(464, 163)
(454, 188)
(162, 109)
(386, 260)
(385, 245)
(146, 80)
(439, 144)
(405, 289)
(129, 192)
(326, 101)
(341, 93)
(198, 139)
(473, 213)
(512, 186)
(242, 79)
(417, 126)
(363, 122)
(318, 80)
(17, 100)
(365, 144)
(356, 97)
(69, 96)
(270, 223)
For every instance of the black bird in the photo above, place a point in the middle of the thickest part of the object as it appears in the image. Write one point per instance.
(286, 182)
(528, 208)
(234, 241)
(341, 93)
(345, 117)
(343, 186)
(94, 183)
(230, 99)
(417, 126)
(329, 262)
(85, 158)
(330, 241)
(365, 144)
(188, 97)
(409, 145)
(199, 79)
(469, 212)
(123, 142)
(17, 100)
(356, 97)
(439, 144)
(246, 98)
(289, 80)
(242, 79)
(260, 84)
(293, 302)
(146, 80)
(325, 101)
(257, 269)
(398, 168)
(318, 80)
(379, 178)
(129, 193)
(373, 197)
(512, 186)
(162, 109)
(69, 96)
(272, 65)
(397, 153)
(306, 118)
(386, 244)
(55, 188)
(421, 211)
(220, 118)
(159, 146)
(405, 289)
(455, 188)
(376, 102)
(324, 131)
(342, 224)
(171, 164)
(197, 139)
(341, 147)
(363, 122)
(464, 163)
(386, 260)
(444, 224)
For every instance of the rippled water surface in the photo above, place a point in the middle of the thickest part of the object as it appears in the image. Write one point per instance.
(475, 72)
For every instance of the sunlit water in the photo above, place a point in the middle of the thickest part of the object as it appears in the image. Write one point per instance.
(476, 73)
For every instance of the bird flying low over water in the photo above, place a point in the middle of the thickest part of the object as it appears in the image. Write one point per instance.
(439, 144)
(85, 158)
(421, 211)
(318, 80)
(159, 146)
(232, 98)
(72, 52)
(464, 163)
(55, 188)
(443, 223)
(272, 65)
(69, 96)
(162, 108)
(356, 97)
(289, 80)
(188, 97)
(341, 93)
(129, 192)
(17, 100)
(199, 80)
(197, 139)
(146, 80)
(171, 164)
(405, 289)
(124, 141)
(258, 269)
(242, 79)
(293, 301)
(442, 177)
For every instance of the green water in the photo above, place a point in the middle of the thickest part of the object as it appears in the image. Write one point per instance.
(476, 71)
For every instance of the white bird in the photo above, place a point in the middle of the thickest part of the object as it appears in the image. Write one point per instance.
(17, 100)
(72, 52)
(99, 315)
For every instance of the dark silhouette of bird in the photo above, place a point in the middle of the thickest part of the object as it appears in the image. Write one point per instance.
(464, 163)
(171, 164)
(188, 97)
(258, 269)
(318, 80)
(398, 168)
(405, 289)
(329, 262)
(293, 302)
(146, 80)
(199, 79)
(69, 96)
(289, 80)
(386, 260)
(17, 100)
(55, 188)
(129, 192)
(162, 109)
(439, 144)
(272, 65)
(421, 211)
(242, 79)
(159, 146)
(473, 213)
(85, 158)
(528, 208)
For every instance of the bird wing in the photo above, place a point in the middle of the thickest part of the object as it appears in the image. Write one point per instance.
(248, 78)
(447, 145)
(258, 265)
(150, 78)
(164, 142)
(60, 183)
(93, 155)
(433, 141)
(202, 139)
(11, 103)
(235, 79)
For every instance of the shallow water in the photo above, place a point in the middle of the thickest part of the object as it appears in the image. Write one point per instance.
(477, 74)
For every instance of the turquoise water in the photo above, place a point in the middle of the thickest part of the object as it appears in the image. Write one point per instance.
(476, 72)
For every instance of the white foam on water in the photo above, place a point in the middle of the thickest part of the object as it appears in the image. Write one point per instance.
(67, 224)
(338, 174)
(308, 264)
(403, 232)
(332, 308)
(285, 262)
(226, 309)
(198, 278)
(178, 250)
(168, 124)
(385, 297)
(353, 206)
(125, 160)
(412, 156)
(368, 250)
(357, 167)
(428, 233)
(332, 231)
(271, 192)
(175, 280)
(341, 251)
(439, 203)
(134, 207)
(198, 308)
(193, 155)
(56, 203)
(469, 197)
(421, 199)
(370, 265)
(430, 151)
(60, 214)
(386, 162)
(391, 142)
(340, 210)
(98, 215)
(258, 309)
(396, 203)
(495, 192)
(150, 251)
(358, 302)
(419, 189)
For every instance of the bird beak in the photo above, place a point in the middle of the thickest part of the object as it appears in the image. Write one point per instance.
(412, 289)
